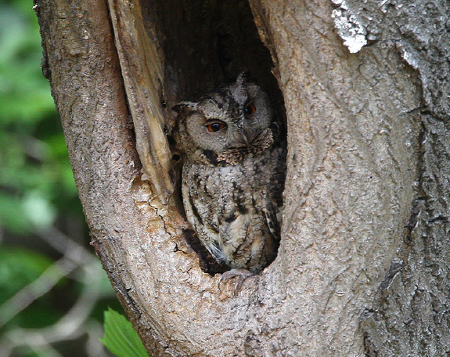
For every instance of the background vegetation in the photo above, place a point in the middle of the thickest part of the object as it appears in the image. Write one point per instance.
(53, 290)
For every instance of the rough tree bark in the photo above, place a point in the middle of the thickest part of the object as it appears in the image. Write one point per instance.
(363, 264)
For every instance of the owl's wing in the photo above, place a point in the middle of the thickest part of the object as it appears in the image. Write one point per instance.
(271, 214)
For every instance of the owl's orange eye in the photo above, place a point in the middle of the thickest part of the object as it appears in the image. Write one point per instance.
(213, 127)
(249, 109)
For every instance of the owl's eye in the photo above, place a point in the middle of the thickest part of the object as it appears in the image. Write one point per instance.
(249, 109)
(216, 126)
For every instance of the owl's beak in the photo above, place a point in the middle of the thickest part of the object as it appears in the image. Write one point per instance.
(237, 139)
(242, 138)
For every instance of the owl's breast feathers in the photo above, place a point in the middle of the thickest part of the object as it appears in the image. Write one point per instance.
(234, 208)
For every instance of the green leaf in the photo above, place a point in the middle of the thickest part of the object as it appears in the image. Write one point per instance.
(120, 337)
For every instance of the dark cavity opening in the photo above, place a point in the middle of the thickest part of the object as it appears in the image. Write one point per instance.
(205, 44)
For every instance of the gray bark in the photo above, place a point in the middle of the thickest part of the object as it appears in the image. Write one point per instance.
(362, 267)
(409, 314)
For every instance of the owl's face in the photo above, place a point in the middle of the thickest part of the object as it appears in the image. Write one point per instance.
(231, 117)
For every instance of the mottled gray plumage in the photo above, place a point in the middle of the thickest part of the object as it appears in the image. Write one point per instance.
(233, 174)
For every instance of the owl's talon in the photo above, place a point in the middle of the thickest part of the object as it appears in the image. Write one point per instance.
(239, 274)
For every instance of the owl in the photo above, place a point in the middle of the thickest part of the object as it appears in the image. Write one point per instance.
(233, 173)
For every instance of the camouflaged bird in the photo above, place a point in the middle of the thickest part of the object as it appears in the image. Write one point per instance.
(233, 173)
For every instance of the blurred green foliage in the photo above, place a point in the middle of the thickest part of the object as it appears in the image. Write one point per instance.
(13, 277)
(35, 177)
(37, 189)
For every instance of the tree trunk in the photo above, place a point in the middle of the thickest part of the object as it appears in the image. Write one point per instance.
(363, 267)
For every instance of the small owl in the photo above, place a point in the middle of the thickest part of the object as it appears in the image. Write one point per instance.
(233, 173)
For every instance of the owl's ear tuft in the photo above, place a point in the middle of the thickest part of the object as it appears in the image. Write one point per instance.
(243, 77)
(185, 105)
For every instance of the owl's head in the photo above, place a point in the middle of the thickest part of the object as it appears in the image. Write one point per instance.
(232, 117)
